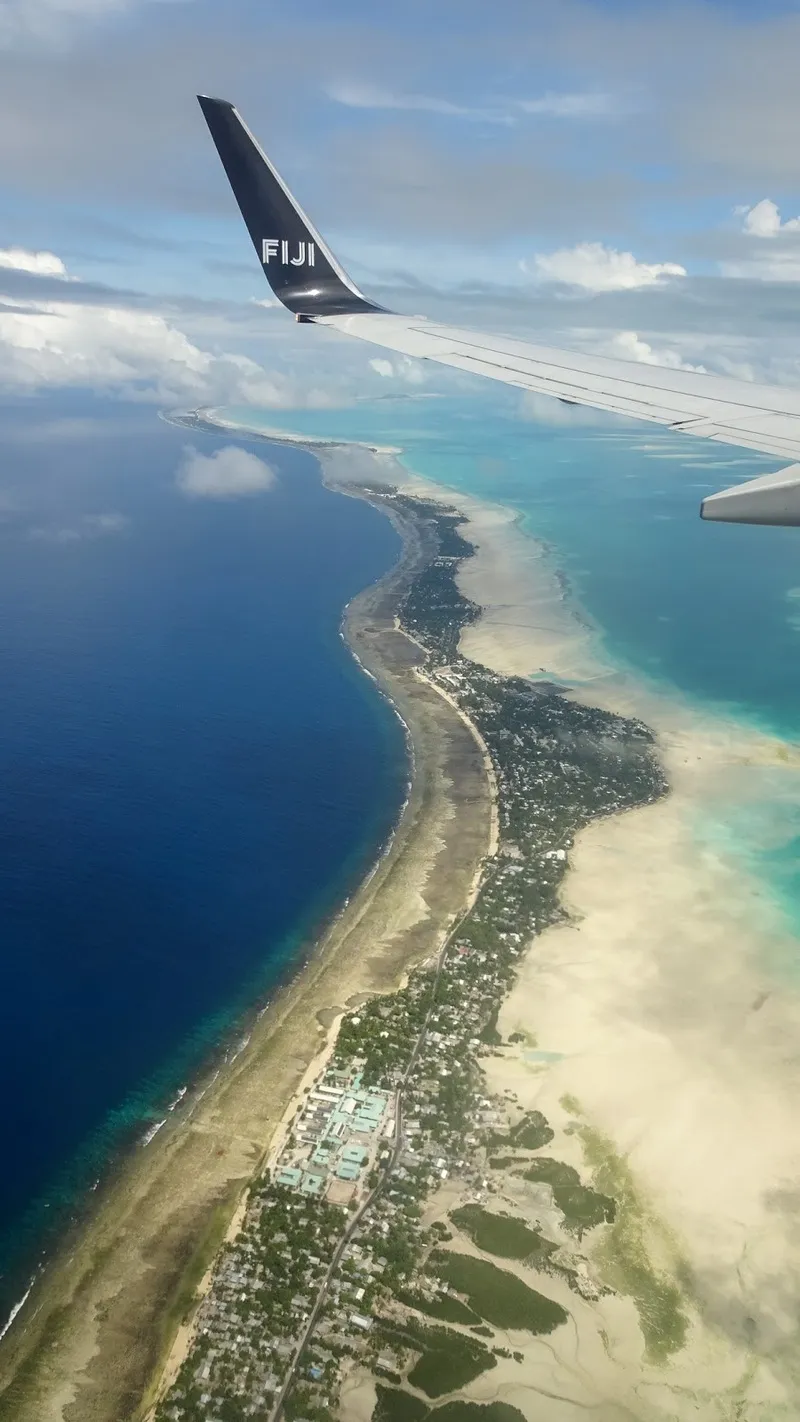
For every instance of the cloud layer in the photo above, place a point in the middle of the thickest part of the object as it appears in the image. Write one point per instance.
(228, 473)
(93, 337)
(764, 220)
(434, 213)
(598, 268)
(506, 111)
(17, 259)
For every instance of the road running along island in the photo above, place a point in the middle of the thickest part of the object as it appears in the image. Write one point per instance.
(352, 1290)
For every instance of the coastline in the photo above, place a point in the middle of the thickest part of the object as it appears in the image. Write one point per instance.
(655, 1006)
(97, 1327)
(657, 1009)
(619, 1006)
(656, 1003)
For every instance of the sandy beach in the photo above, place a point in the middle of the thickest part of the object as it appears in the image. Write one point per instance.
(661, 1007)
(663, 1012)
(656, 1034)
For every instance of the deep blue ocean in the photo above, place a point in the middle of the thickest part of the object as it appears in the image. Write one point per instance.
(193, 772)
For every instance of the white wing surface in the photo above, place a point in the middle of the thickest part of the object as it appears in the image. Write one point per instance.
(306, 277)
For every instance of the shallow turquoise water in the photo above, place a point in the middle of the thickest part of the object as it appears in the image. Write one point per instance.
(711, 610)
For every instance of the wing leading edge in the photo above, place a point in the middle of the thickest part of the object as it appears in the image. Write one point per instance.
(306, 277)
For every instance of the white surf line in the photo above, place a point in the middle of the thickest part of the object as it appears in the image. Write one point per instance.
(17, 1309)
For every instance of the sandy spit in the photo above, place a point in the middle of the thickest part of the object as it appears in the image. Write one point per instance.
(666, 1006)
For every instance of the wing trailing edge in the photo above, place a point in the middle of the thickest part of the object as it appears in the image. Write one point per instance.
(770, 499)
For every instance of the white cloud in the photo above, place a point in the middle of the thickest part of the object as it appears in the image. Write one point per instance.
(627, 345)
(137, 353)
(505, 111)
(90, 526)
(764, 220)
(776, 254)
(57, 343)
(18, 259)
(368, 96)
(228, 473)
(405, 369)
(50, 21)
(597, 268)
(772, 266)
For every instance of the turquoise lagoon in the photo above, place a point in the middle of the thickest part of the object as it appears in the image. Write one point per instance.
(710, 611)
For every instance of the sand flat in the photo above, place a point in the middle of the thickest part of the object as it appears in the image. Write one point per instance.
(661, 1007)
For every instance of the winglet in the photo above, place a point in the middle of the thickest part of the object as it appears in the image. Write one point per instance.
(299, 266)
(770, 499)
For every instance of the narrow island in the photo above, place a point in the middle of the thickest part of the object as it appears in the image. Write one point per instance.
(373, 1275)
(360, 1219)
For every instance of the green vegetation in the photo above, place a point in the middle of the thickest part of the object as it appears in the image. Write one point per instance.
(451, 1366)
(396, 1406)
(582, 1207)
(383, 1031)
(530, 1133)
(490, 1034)
(443, 1306)
(503, 1235)
(477, 1412)
(625, 1255)
(290, 1239)
(448, 1360)
(499, 1297)
(558, 765)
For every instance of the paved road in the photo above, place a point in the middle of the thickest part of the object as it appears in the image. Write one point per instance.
(375, 1194)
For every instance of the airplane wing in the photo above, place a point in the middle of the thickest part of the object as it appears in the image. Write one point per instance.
(306, 277)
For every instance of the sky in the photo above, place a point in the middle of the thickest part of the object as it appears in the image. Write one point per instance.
(611, 175)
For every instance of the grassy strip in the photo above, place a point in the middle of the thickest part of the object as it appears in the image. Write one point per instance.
(625, 1252)
(499, 1297)
(448, 1360)
(503, 1235)
(582, 1207)
(530, 1133)
(396, 1406)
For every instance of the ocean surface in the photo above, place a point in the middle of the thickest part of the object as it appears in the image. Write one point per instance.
(712, 611)
(193, 773)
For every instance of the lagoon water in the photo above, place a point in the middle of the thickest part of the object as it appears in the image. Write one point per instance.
(708, 610)
(193, 772)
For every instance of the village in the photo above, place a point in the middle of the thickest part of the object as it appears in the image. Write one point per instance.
(334, 1267)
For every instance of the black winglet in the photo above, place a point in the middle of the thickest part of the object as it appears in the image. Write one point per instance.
(299, 266)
